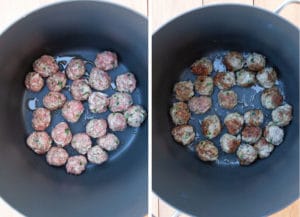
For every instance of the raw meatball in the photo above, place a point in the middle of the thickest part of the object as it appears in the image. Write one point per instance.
(211, 126)
(224, 80)
(41, 119)
(274, 134)
(184, 90)
(99, 80)
(109, 142)
(126, 82)
(234, 123)
(202, 67)
(200, 104)
(57, 156)
(106, 60)
(271, 98)
(135, 115)
(267, 77)
(251, 134)
(56, 82)
(34, 82)
(263, 148)
(76, 164)
(39, 142)
(180, 113)
(80, 90)
(72, 111)
(254, 117)
(54, 100)
(255, 62)
(120, 102)
(246, 154)
(245, 78)
(227, 99)
(282, 115)
(230, 143)
(61, 134)
(97, 155)
(75, 69)
(45, 66)
(204, 85)
(233, 61)
(81, 142)
(183, 134)
(98, 102)
(96, 128)
(207, 151)
(116, 122)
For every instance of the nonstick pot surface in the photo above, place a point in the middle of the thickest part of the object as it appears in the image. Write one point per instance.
(203, 189)
(81, 28)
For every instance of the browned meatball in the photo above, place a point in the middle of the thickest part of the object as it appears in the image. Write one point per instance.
(255, 62)
(263, 148)
(41, 119)
(207, 151)
(202, 67)
(211, 126)
(204, 85)
(282, 115)
(224, 80)
(183, 134)
(247, 154)
(254, 117)
(233, 61)
(200, 105)
(184, 90)
(80, 90)
(227, 99)
(267, 77)
(251, 134)
(39, 142)
(230, 143)
(245, 78)
(75, 69)
(271, 98)
(234, 123)
(57, 81)
(57, 156)
(180, 113)
(76, 164)
(45, 66)
(54, 100)
(34, 82)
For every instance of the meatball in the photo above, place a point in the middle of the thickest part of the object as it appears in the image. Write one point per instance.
(57, 156)
(76, 164)
(45, 66)
(98, 102)
(254, 117)
(80, 90)
(41, 119)
(246, 154)
(184, 90)
(54, 100)
(200, 105)
(273, 134)
(227, 99)
(120, 102)
(245, 78)
(34, 82)
(97, 155)
(180, 113)
(183, 134)
(39, 142)
(56, 82)
(202, 67)
(234, 123)
(263, 148)
(224, 80)
(96, 128)
(207, 151)
(72, 110)
(135, 115)
(99, 80)
(282, 115)
(271, 98)
(266, 77)
(116, 122)
(255, 62)
(251, 134)
(109, 142)
(233, 61)
(106, 60)
(204, 85)
(230, 143)
(126, 82)
(75, 69)
(81, 142)
(211, 126)
(61, 134)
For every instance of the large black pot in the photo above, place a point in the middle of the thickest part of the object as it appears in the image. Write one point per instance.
(212, 190)
(119, 187)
